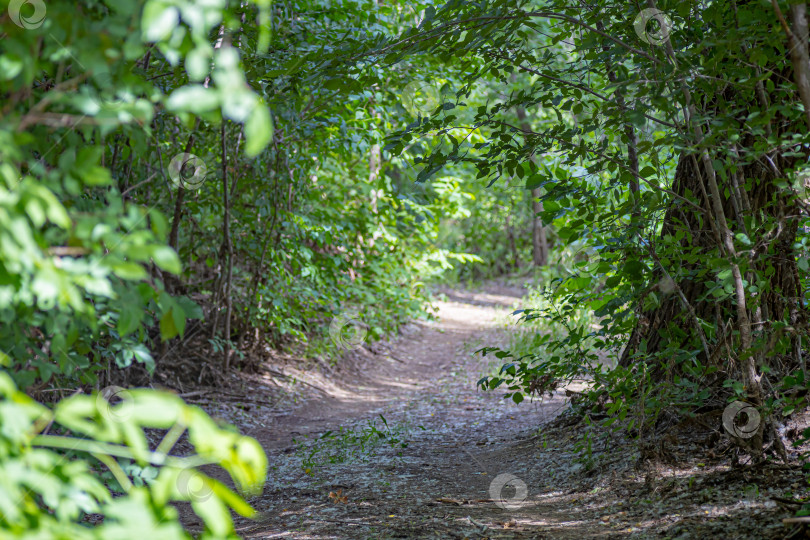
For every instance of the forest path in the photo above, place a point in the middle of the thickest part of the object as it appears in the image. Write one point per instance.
(333, 476)
(461, 444)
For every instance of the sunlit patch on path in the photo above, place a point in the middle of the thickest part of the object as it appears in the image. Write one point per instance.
(401, 444)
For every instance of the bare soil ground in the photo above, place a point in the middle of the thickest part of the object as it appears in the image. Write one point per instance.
(450, 461)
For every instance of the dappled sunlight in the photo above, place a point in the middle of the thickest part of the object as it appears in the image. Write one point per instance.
(385, 269)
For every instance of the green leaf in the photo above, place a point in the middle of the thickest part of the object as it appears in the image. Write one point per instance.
(166, 258)
(190, 307)
(647, 172)
(634, 269)
(129, 270)
(11, 65)
(168, 329)
(198, 62)
(194, 98)
(258, 130)
(743, 238)
(129, 319)
(158, 20)
(179, 317)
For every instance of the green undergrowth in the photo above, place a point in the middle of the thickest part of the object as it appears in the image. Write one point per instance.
(352, 444)
(551, 340)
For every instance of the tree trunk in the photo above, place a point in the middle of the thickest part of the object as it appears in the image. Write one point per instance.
(228, 249)
(671, 324)
(770, 294)
(374, 166)
(510, 238)
(539, 239)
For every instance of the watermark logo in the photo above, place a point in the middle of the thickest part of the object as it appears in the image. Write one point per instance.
(188, 171)
(666, 285)
(420, 98)
(347, 331)
(741, 420)
(192, 485)
(652, 35)
(28, 14)
(115, 403)
(504, 484)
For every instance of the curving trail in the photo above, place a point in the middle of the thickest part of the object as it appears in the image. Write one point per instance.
(462, 445)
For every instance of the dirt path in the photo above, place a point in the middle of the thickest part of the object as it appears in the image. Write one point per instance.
(449, 461)
(458, 439)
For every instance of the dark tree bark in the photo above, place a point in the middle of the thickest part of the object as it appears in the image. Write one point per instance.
(730, 201)
(539, 237)
(773, 245)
